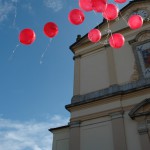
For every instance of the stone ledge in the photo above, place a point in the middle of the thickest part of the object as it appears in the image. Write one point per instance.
(113, 90)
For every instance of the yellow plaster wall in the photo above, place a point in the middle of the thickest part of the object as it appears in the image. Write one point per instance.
(93, 72)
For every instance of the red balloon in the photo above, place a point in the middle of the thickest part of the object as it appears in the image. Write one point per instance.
(111, 12)
(135, 22)
(27, 36)
(94, 35)
(50, 29)
(99, 5)
(76, 16)
(116, 40)
(85, 5)
(120, 1)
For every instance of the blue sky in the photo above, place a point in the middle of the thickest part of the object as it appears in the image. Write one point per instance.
(33, 95)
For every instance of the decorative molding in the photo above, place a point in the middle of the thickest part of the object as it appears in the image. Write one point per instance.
(75, 57)
(101, 114)
(58, 128)
(135, 75)
(96, 115)
(136, 10)
(74, 124)
(118, 130)
(140, 37)
(142, 128)
(132, 41)
(141, 46)
(143, 131)
(117, 115)
(109, 92)
(143, 36)
(135, 111)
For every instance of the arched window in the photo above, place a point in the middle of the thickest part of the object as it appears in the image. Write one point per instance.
(141, 48)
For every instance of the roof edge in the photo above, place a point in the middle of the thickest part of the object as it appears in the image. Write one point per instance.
(104, 21)
(58, 128)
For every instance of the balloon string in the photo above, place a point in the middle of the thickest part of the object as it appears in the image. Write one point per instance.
(123, 18)
(121, 14)
(108, 27)
(13, 52)
(46, 49)
(110, 32)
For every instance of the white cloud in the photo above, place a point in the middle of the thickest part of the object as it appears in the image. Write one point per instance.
(8, 7)
(5, 9)
(28, 7)
(55, 5)
(14, 1)
(29, 135)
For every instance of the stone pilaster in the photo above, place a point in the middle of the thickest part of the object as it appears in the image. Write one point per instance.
(74, 136)
(76, 90)
(118, 129)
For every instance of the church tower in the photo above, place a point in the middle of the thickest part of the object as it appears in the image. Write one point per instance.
(110, 107)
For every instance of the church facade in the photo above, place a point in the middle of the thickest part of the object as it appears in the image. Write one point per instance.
(110, 107)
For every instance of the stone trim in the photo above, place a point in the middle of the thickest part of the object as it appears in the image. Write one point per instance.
(76, 86)
(95, 115)
(142, 130)
(134, 112)
(142, 34)
(74, 142)
(57, 128)
(116, 115)
(137, 59)
(111, 66)
(75, 57)
(74, 45)
(113, 90)
(118, 130)
(137, 38)
(74, 124)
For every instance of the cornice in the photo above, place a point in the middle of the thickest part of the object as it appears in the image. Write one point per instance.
(107, 113)
(86, 42)
(110, 92)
